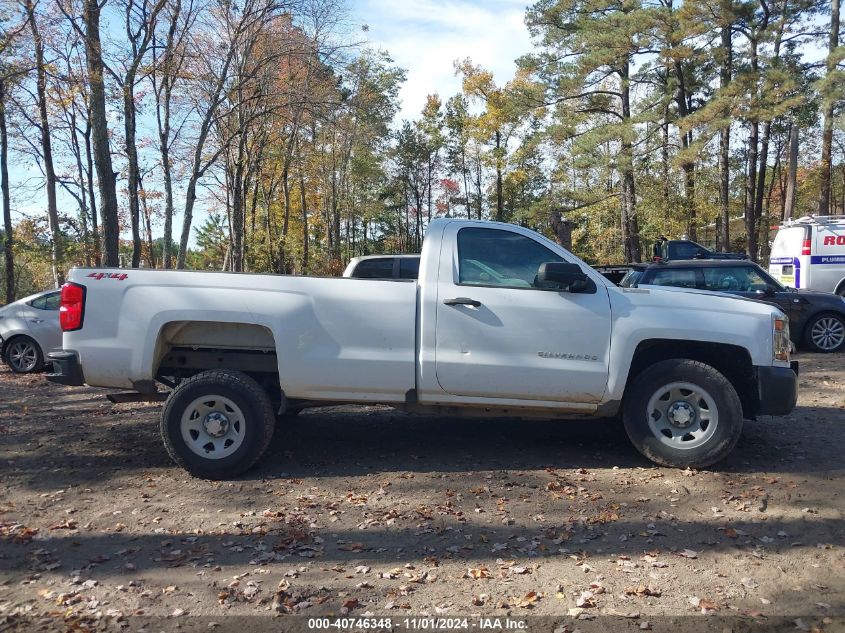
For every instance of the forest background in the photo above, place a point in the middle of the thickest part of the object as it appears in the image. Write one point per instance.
(266, 135)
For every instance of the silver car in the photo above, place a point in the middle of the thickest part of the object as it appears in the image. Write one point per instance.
(29, 330)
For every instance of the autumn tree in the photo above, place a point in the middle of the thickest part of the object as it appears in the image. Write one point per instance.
(587, 62)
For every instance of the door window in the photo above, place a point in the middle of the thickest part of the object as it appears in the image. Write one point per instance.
(734, 279)
(492, 257)
(677, 277)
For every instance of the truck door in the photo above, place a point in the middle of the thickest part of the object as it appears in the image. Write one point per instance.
(499, 335)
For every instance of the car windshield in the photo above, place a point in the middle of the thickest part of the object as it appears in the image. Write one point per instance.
(631, 278)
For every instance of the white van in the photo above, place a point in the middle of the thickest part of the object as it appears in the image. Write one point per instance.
(810, 253)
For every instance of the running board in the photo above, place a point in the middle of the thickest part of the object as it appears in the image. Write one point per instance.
(134, 396)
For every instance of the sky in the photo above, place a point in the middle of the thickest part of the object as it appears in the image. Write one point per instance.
(426, 37)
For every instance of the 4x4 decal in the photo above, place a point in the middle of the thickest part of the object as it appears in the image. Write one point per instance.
(118, 276)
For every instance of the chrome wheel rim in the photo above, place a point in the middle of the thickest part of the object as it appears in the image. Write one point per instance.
(23, 356)
(213, 427)
(828, 333)
(682, 415)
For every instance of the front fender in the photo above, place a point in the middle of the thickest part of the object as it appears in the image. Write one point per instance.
(641, 314)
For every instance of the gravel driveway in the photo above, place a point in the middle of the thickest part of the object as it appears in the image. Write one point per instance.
(365, 511)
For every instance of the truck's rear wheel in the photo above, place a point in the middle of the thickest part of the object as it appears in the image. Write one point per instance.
(217, 424)
(682, 413)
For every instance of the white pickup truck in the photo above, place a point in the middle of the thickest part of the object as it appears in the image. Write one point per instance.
(501, 321)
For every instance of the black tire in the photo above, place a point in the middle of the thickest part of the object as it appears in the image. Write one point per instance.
(258, 422)
(17, 363)
(716, 442)
(838, 322)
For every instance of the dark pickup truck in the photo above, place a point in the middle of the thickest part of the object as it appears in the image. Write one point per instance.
(669, 250)
(672, 250)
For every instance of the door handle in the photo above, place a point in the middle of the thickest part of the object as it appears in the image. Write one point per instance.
(37, 320)
(462, 301)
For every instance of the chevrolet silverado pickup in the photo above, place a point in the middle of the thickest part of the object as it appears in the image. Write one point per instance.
(501, 321)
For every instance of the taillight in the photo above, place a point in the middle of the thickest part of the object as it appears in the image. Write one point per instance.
(805, 247)
(72, 309)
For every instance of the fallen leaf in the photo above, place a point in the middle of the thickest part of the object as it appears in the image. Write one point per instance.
(478, 573)
(527, 601)
(348, 605)
(586, 600)
(643, 590)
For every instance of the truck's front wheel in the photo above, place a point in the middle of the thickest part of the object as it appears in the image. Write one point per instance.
(682, 413)
(217, 424)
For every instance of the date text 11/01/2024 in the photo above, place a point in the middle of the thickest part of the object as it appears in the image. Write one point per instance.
(418, 623)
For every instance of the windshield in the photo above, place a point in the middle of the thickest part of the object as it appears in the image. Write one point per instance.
(631, 278)
(788, 242)
(739, 279)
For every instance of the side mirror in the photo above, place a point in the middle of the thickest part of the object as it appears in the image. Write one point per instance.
(565, 276)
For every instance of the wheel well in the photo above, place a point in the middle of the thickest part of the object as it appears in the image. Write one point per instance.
(732, 361)
(840, 289)
(186, 348)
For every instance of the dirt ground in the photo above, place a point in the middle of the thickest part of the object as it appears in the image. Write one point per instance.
(365, 511)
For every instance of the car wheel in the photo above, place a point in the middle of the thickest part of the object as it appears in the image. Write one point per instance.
(23, 355)
(217, 424)
(682, 413)
(825, 333)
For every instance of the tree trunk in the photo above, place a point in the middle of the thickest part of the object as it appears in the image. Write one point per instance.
(304, 206)
(132, 171)
(500, 203)
(761, 176)
(664, 163)
(56, 246)
(687, 165)
(465, 172)
(92, 199)
(792, 173)
(9, 242)
(163, 100)
(725, 76)
(751, 169)
(630, 224)
(562, 229)
(106, 176)
(827, 131)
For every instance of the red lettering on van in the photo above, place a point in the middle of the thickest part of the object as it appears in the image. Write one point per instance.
(829, 240)
(840, 240)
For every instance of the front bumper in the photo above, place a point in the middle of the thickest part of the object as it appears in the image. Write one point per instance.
(777, 389)
(66, 369)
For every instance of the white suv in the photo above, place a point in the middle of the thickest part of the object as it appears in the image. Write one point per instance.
(810, 253)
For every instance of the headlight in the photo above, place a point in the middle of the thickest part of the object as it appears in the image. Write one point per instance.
(780, 337)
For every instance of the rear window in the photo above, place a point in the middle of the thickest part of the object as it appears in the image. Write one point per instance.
(685, 250)
(409, 267)
(47, 302)
(677, 277)
(381, 268)
(788, 241)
